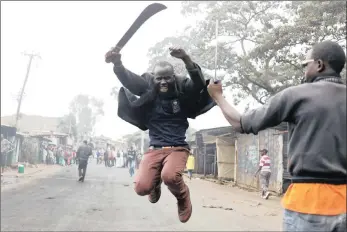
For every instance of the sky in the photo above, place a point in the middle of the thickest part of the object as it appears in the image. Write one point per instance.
(72, 39)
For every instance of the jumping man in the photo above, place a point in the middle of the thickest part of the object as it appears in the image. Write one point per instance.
(165, 103)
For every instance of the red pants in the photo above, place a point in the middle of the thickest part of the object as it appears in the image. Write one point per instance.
(166, 165)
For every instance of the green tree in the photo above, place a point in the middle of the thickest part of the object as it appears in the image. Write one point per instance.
(86, 110)
(260, 45)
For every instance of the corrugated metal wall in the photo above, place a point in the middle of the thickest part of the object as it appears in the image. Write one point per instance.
(225, 158)
(248, 158)
(200, 152)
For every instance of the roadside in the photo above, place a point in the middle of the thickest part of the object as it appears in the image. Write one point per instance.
(251, 196)
(11, 179)
(235, 204)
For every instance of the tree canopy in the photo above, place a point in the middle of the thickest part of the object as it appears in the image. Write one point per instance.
(68, 125)
(260, 43)
(85, 110)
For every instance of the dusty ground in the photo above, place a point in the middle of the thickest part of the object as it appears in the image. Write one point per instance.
(107, 202)
(12, 179)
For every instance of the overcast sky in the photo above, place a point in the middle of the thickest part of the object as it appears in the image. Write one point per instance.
(72, 38)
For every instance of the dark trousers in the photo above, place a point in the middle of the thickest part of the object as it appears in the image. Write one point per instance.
(106, 162)
(166, 165)
(82, 169)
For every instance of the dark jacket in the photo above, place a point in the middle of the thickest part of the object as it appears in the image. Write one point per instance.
(316, 116)
(83, 152)
(138, 94)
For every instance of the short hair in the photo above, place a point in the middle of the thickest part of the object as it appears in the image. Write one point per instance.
(264, 150)
(330, 52)
(163, 64)
(85, 142)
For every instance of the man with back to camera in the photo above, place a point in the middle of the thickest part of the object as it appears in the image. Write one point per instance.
(166, 102)
(316, 116)
(83, 154)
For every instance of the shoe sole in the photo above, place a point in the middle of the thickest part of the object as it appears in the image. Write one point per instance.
(153, 202)
(191, 212)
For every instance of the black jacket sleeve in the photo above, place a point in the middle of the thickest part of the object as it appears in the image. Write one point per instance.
(134, 83)
(197, 82)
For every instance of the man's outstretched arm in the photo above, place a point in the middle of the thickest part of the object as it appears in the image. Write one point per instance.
(134, 83)
(277, 110)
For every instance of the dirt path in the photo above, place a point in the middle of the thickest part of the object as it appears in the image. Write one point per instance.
(12, 179)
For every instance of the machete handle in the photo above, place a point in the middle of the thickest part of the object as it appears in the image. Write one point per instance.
(216, 81)
(116, 49)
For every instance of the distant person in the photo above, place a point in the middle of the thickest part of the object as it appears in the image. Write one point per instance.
(106, 160)
(98, 156)
(131, 161)
(110, 157)
(113, 156)
(265, 173)
(190, 165)
(83, 154)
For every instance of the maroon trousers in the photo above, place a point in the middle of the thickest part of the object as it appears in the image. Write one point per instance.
(164, 165)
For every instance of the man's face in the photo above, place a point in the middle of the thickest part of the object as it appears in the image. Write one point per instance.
(312, 67)
(164, 78)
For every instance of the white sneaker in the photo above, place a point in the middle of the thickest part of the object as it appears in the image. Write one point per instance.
(267, 195)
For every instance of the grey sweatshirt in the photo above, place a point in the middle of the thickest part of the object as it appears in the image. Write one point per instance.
(316, 116)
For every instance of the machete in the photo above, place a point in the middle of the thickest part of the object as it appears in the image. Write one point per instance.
(148, 12)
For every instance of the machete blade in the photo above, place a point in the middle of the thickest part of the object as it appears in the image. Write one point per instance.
(148, 12)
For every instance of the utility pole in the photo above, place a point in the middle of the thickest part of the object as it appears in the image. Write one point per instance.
(31, 57)
(216, 54)
(142, 142)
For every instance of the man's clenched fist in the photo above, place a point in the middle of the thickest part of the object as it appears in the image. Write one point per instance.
(178, 52)
(113, 56)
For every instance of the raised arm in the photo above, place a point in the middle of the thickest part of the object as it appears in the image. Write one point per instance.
(277, 110)
(134, 83)
(197, 80)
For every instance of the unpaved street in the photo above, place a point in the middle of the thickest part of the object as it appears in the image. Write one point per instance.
(107, 202)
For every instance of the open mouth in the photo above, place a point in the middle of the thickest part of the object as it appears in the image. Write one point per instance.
(163, 89)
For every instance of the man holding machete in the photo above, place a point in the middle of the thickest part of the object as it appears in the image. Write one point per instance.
(165, 103)
(316, 116)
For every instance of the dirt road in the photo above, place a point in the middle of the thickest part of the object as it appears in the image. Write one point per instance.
(106, 202)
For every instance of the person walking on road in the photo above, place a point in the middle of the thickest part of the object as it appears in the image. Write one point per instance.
(265, 173)
(131, 161)
(106, 157)
(316, 115)
(83, 154)
(190, 165)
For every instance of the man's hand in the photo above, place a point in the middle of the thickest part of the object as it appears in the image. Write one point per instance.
(113, 56)
(178, 53)
(215, 90)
